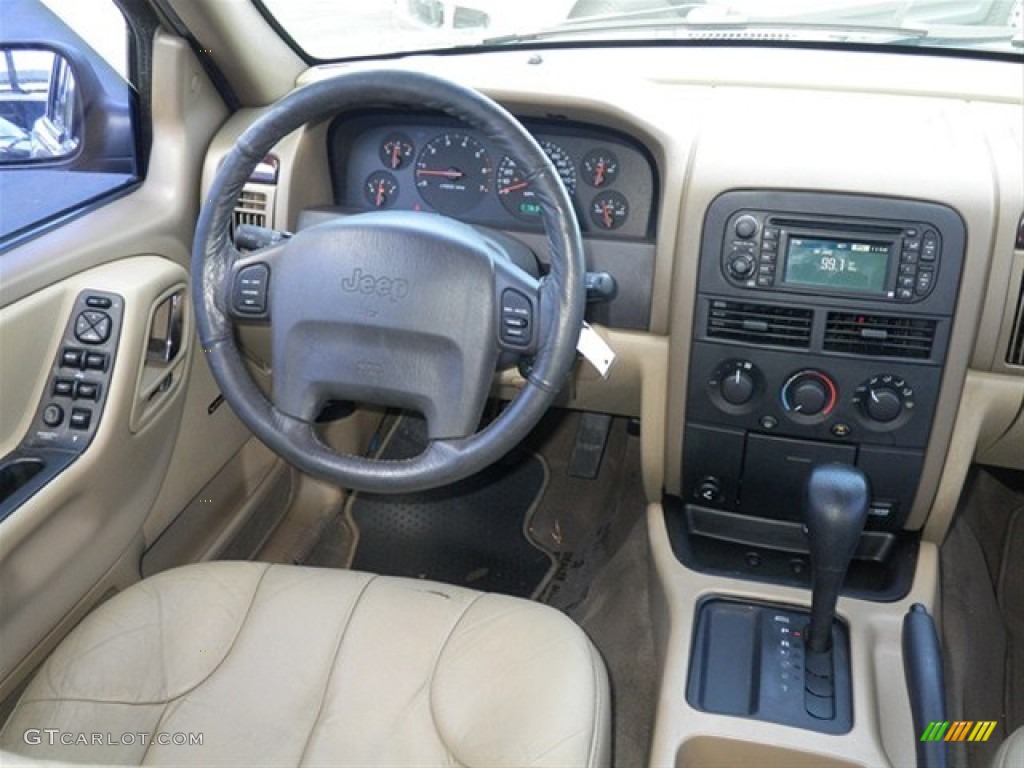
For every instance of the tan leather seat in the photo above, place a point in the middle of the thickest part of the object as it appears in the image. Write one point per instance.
(1011, 753)
(284, 665)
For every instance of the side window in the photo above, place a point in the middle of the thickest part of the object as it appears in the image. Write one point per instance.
(68, 115)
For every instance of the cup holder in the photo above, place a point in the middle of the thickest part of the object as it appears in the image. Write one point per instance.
(14, 474)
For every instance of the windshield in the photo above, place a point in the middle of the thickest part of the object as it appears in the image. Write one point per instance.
(340, 29)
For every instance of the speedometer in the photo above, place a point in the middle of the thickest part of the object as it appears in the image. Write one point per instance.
(453, 173)
(514, 191)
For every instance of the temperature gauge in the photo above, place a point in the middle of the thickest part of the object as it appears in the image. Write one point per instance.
(381, 189)
(600, 167)
(396, 151)
(609, 210)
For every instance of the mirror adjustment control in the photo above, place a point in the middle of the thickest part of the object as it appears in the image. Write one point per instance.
(92, 326)
(53, 415)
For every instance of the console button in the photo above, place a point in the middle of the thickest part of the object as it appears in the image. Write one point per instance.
(909, 257)
(64, 387)
(71, 358)
(87, 390)
(905, 293)
(908, 269)
(92, 327)
(924, 283)
(741, 265)
(929, 246)
(906, 281)
(96, 361)
(81, 418)
(765, 281)
(53, 415)
(710, 490)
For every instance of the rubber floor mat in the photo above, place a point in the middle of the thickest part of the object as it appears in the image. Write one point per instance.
(470, 533)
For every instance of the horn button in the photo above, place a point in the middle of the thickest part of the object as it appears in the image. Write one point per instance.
(396, 308)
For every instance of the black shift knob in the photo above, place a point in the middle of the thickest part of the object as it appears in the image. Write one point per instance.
(836, 509)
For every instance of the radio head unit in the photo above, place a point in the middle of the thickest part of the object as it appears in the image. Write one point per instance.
(870, 259)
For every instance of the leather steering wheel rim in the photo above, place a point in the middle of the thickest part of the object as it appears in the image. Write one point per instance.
(561, 292)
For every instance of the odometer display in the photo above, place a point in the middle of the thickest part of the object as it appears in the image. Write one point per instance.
(513, 190)
(453, 173)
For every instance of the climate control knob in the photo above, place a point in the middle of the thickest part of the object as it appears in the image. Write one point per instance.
(883, 404)
(734, 384)
(886, 401)
(809, 394)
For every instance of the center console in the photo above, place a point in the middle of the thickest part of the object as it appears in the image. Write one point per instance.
(820, 333)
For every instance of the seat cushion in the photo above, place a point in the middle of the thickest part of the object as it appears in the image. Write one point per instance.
(1011, 753)
(285, 665)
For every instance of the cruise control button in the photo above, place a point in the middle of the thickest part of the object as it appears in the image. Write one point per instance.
(516, 318)
(81, 418)
(250, 290)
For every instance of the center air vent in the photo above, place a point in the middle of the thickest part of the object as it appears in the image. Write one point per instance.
(251, 208)
(879, 335)
(760, 323)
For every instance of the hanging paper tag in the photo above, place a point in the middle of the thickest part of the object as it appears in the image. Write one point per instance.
(596, 350)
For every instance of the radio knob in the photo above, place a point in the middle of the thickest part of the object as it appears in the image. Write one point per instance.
(738, 387)
(746, 227)
(809, 393)
(741, 265)
(883, 404)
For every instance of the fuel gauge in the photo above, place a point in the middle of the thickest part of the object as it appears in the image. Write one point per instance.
(381, 189)
(396, 151)
(609, 210)
(600, 167)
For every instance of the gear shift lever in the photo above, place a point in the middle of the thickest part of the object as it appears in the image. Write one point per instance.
(836, 508)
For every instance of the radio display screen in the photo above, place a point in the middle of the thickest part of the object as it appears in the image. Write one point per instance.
(845, 265)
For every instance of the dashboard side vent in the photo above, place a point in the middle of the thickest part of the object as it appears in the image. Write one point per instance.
(251, 208)
(760, 323)
(879, 335)
(1015, 350)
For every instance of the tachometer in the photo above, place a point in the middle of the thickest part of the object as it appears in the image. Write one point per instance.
(453, 173)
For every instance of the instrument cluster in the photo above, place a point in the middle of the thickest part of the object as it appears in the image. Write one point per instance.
(432, 163)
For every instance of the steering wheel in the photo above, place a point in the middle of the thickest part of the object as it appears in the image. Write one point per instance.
(393, 308)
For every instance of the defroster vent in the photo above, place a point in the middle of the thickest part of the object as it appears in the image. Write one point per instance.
(760, 323)
(879, 335)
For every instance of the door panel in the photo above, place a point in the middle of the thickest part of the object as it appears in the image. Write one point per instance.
(82, 533)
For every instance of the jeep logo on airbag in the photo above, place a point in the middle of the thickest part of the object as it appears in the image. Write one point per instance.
(392, 288)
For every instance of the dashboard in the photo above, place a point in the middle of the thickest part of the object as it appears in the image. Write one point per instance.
(395, 160)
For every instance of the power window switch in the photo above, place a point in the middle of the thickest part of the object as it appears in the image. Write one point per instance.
(63, 388)
(71, 357)
(87, 390)
(95, 361)
(81, 418)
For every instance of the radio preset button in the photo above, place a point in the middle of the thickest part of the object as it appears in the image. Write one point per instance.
(769, 245)
(765, 281)
(906, 281)
(905, 293)
(909, 257)
(771, 233)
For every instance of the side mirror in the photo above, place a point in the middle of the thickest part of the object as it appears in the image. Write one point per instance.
(40, 116)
